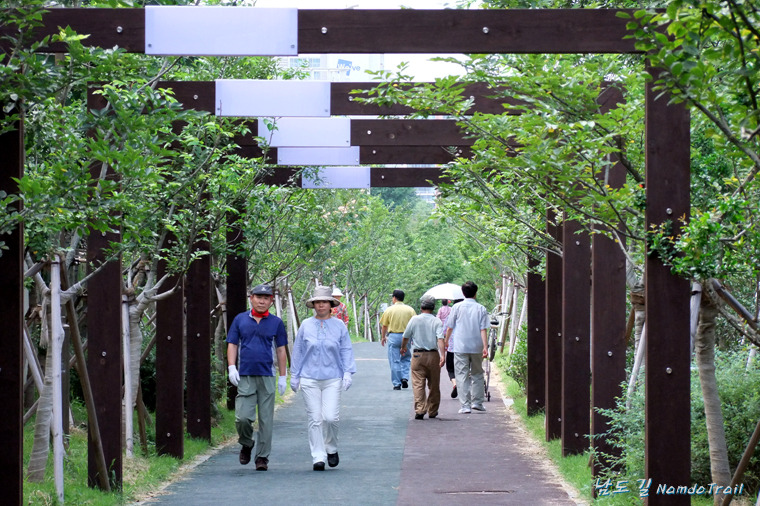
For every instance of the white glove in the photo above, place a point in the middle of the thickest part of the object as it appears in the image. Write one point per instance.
(294, 382)
(233, 374)
(281, 383)
(347, 380)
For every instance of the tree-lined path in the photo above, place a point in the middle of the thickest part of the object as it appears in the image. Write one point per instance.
(386, 456)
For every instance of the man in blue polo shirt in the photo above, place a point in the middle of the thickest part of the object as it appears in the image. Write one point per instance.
(253, 337)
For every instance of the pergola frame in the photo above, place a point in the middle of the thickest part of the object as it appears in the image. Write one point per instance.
(420, 31)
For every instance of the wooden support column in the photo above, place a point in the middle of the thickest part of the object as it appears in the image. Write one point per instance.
(553, 327)
(667, 301)
(237, 287)
(199, 342)
(608, 317)
(576, 338)
(536, 386)
(170, 356)
(104, 354)
(12, 316)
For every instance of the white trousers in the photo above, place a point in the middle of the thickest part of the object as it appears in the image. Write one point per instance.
(322, 400)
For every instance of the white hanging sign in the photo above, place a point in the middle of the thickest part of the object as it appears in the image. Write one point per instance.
(220, 31)
(337, 177)
(318, 156)
(251, 97)
(307, 132)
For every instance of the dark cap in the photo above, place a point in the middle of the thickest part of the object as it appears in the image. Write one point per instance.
(262, 289)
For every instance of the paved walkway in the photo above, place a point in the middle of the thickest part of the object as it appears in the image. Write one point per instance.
(386, 456)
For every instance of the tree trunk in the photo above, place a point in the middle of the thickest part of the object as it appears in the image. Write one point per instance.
(40, 448)
(705, 357)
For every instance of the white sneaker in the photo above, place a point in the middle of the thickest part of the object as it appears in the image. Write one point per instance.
(479, 407)
(463, 411)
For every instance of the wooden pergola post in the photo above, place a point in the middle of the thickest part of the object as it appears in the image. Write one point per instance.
(553, 329)
(668, 420)
(12, 316)
(576, 337)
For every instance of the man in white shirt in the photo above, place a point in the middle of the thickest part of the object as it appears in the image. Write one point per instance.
(468, 323)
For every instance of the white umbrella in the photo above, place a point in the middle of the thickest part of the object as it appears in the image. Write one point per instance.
(446, 291)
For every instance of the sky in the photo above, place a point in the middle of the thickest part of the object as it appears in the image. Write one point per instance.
(419, 65)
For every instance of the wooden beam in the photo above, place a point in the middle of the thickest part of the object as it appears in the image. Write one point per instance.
(105, 28)
(344, 103)
(406, 177)
(667, 420)
(201, 96)
(463, 31)
(12, 316)
(388, 31)
(408, 132)
(417, 155)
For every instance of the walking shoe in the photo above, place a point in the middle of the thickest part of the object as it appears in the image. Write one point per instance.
(319, 466)
(245, 454)
(454, 392)
(419, 416)
(333, 459)
(463, 411)
(261, 463)
(433, 416)
(479, 407)
(397, 387)
(404, 383)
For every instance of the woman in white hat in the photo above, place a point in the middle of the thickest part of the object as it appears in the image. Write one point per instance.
(340, 311)
(322, 365)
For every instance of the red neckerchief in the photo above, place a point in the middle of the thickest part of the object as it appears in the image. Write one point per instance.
(259, 315)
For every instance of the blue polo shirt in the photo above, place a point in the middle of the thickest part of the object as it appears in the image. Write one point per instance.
(256, 342)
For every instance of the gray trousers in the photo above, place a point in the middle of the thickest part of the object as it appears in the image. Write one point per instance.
(253, 392)
(468, 368)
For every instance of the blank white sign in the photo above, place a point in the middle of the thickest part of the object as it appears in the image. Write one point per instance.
(220, 31)
(318, 156)
(337, 177)
(308, 132)
(251, 97)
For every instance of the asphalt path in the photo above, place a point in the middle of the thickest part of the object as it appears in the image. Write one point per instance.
(386, 456)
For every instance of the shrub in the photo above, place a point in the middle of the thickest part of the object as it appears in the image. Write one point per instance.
(739, 389)
(517, 362)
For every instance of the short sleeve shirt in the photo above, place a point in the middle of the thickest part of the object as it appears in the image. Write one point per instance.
(257, 342)
(423, 331)
(397, 317)
(466, 320)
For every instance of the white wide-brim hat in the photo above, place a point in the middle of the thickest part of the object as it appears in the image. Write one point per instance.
(322, 293)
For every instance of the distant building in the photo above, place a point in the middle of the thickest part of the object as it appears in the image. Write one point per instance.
(337, 68)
